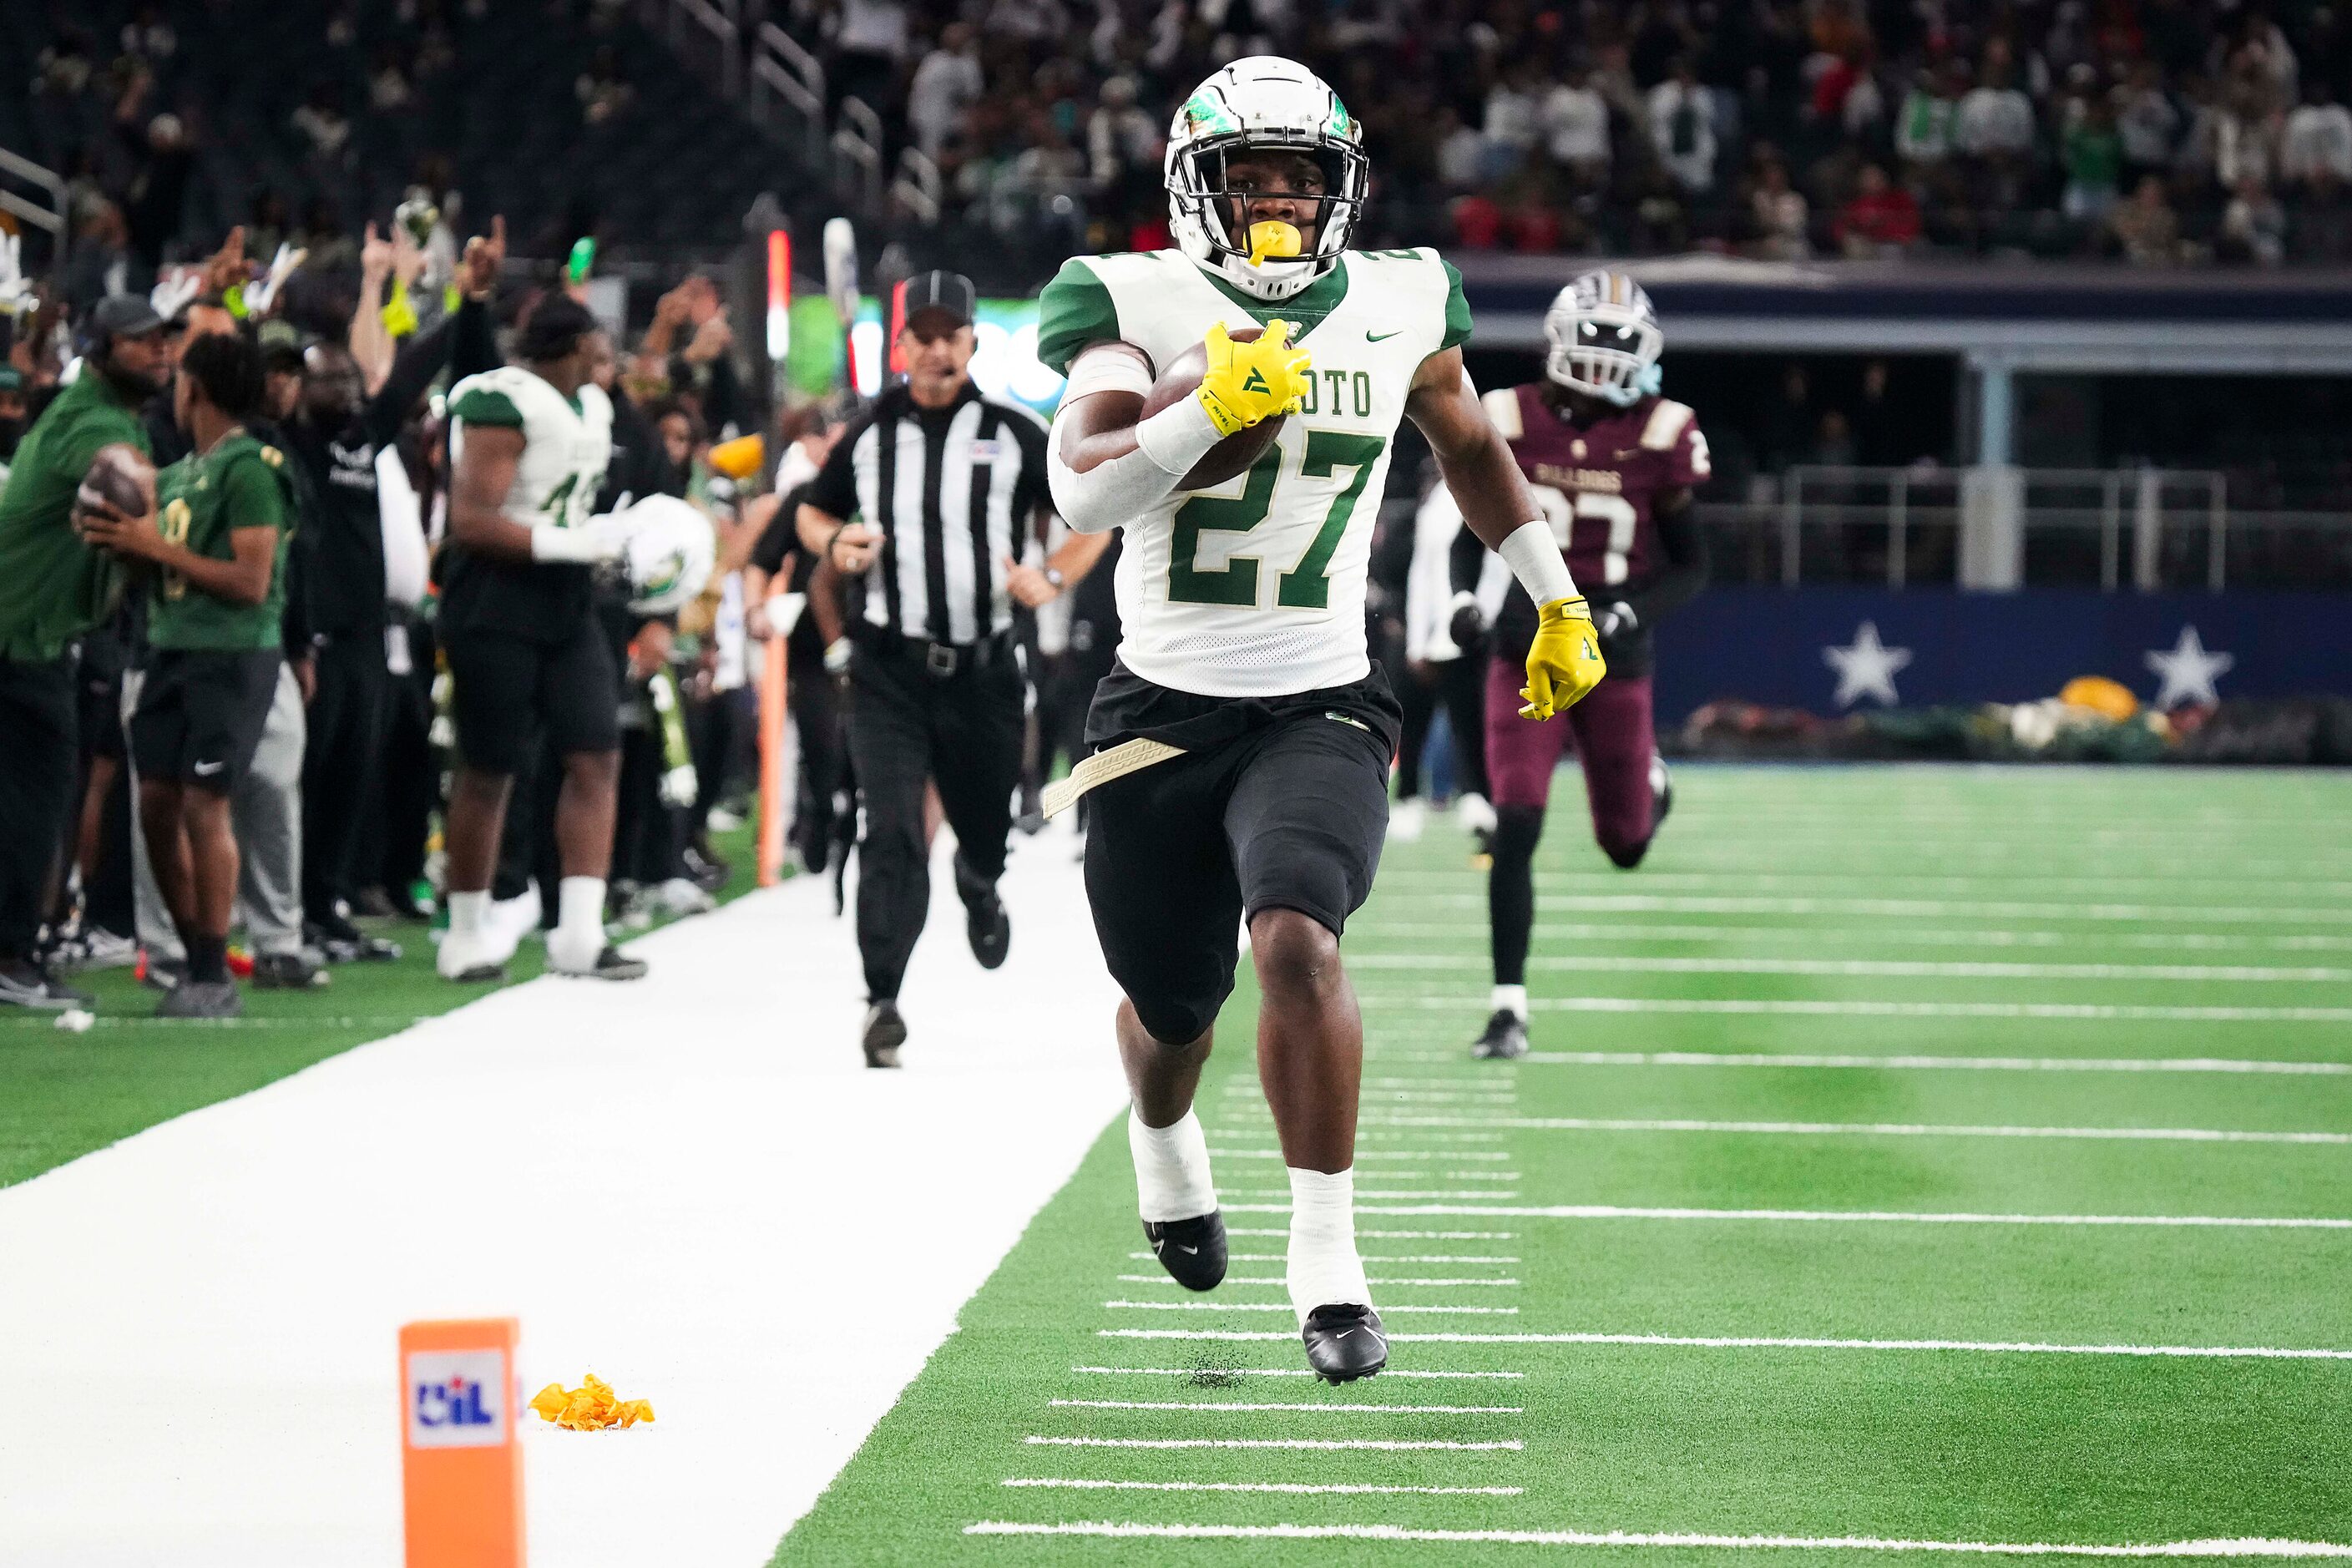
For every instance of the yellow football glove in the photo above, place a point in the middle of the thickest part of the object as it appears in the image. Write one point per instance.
(1248, 382)
(1564, 662)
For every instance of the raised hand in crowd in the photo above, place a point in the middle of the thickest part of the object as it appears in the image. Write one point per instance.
(485, 255)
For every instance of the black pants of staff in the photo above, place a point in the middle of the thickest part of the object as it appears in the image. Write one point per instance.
(342, 768)
(1459, 686)
(908, 724)
(818, 719)
(394, 844)
(38, 769)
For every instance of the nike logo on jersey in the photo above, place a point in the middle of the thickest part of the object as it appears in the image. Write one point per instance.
(1625, 452)
(1381, 337)
(205, 770)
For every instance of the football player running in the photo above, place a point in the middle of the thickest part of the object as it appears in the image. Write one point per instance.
(1241, 743)
(1613, 465)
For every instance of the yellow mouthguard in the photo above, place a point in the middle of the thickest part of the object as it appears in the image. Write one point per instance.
(1272, 237)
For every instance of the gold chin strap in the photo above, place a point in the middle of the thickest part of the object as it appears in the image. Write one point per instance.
(1272, 237)
(1127, 757)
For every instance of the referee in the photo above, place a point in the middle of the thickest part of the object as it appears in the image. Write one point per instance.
(930, 497)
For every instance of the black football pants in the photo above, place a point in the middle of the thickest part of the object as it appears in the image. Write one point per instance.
(342, 768)
(37, 766)
(906, 726)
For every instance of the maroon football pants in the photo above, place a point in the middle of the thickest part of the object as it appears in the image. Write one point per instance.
(1615, 741)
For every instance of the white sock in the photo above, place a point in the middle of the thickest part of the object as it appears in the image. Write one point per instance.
(1171, 1168)
(1325, 1269)
(1512, 999)
(465, 915)
(579, 934)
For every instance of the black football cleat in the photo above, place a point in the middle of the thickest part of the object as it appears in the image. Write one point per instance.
(987, 925)
(884, 1031)
(610, 965)
(1345, 1343)
(1505, 1037)
(1191, 1250)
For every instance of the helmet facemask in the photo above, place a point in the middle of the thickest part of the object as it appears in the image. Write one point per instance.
(1250, 108)
(1605, 348)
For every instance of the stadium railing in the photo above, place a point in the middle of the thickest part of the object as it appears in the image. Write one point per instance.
(53, 220)
(785, 77)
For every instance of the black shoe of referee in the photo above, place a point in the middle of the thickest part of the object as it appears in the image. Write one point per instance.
(884, 1031)
(985, 921)
(1191, 1250)
(1345, 1343)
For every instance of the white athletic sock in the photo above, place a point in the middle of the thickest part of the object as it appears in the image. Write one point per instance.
(1512, 999)
(1171, 1168)
(1325, 1269)
(465, 913)
(579, 934)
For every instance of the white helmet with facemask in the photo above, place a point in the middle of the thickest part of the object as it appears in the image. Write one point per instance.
(1263, 104)
(1604, 338)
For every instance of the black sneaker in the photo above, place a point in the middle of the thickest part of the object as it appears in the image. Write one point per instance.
(287, 971)
(985, 921)
(609, 965)
(31, 985)
(344, 942)
(1505, 1036)
(884, 1031)
(1345, 1343)
(201, 999)
(1191, 1250)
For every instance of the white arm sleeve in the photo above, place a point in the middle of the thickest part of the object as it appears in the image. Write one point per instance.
(1534, 557)
(1122, 490)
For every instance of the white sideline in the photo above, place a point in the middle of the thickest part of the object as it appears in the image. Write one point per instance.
(1867, 1129)
(1835, 1216)
(1280, 1279)
(2256, 1546)
(1714, 1341)
(1930, 1064)
(1214, 1404)
(1382, 1443)
(1285, 1307)
(1294, 1488)
(204, 1316)
(1369, 1258)
(1265, 1371)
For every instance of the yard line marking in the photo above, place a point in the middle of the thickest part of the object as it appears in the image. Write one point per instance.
(1848, 1216)
(2248, 1546)
(1928, 936)
(1270, 1371)
(1397, 1235)
(1278, 1279)
(1379, 1154)
(1310, 1409)
(1363, 1193)
(2134, 1013)
(1932, 1064)
(1706, 1341)
(1368, 1257)
(1299, 1488)
(1886, 1129)
(1894, 968)
(1767, 876)
(1383, 1444)
(1286, 1307)
(1931, 908)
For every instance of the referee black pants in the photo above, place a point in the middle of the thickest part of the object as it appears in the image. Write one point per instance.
(341, 766)
(906, 725)
(37, 790)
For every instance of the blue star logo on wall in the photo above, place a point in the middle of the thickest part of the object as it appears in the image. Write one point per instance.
(1866, 668)
(2187, 673)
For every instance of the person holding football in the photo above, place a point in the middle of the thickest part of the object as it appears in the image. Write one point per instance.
(1241, 745)
(1613, 464)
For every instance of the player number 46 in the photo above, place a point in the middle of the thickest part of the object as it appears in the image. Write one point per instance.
(1308, 584)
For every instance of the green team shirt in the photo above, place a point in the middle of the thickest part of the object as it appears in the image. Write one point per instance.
(200, 501)
(54, 588)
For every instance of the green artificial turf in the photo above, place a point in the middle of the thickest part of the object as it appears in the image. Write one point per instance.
(2164, 870)
(63, 1095)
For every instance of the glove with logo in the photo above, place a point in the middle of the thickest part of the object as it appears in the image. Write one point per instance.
(1247, 383)
(1564, 661)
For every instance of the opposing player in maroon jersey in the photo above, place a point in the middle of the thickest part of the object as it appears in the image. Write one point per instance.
(1613, 465)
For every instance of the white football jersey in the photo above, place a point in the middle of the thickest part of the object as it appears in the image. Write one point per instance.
(566, 444)
(1256, 588)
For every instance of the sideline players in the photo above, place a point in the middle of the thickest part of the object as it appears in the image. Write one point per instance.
(1243, 741)
(529, 445)
(1613, 465)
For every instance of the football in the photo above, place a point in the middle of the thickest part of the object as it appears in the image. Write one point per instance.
(121, 477)
(1234, 454)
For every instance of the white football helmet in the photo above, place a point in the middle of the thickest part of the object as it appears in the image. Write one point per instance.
(1604, 338)
(1264, 104)
(667, 552)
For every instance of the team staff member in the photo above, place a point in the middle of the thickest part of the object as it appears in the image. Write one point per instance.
(54, 588)
(216, 545)
(943, 485)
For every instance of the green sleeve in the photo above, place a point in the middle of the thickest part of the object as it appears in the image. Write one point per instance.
(481, 405)
(1458, 308)
(253, 495)
(1074, 309)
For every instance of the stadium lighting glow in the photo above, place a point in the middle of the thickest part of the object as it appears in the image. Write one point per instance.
(779, 294)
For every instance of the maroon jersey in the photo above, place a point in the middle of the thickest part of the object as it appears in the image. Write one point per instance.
(1598, 485)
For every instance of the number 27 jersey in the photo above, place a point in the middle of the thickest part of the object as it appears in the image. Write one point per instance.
(1256, 588)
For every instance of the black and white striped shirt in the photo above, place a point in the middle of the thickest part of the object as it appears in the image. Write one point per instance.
(954, 492)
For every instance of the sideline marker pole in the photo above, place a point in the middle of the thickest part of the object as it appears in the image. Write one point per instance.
(461, 1467)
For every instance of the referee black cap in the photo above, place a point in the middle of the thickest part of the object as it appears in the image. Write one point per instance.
(941, 294)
